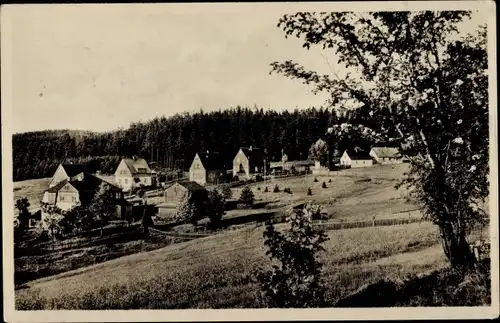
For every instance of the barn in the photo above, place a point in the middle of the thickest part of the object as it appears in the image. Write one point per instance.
(355, 158)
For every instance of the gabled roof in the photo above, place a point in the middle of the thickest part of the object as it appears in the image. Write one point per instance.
(256, 155)
(212, 160)
(73, 169)
(358, 154)
(57, 187)
(386, 152)
(190, 186)
(88, 183)
(137, 166)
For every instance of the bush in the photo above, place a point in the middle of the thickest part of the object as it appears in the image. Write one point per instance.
(266, 190)
(247, 196)
(258, 188)
(276, 188)
(309, 191)
(296, 281)
(330, 180)
(187, 210)
(215, 208)
(315, 180)
(287, 190)
(227, 194)
(323, 185)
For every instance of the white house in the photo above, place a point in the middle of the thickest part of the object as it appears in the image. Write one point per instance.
(355, 159)
(133, 172)
(386, 155)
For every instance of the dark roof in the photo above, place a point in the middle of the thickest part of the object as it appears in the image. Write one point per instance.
(256, 155)
(73, 169)
(359, 154)
(190, 186)
(88, 183)
(57, 187)
(212, 160)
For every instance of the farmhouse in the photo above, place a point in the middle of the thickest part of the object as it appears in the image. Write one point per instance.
(386, 155)
(174, 193)
(354, 158)
(67, 172)
(68, 193)
(133, 172)
(206, 168)
(248, 162)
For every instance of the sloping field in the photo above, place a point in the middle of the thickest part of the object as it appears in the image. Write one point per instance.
(32, 189)
(365, 195)
(214, 272)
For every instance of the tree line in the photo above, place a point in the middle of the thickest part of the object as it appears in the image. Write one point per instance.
(173, 141)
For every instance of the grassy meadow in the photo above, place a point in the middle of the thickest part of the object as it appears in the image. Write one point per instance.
(214, 272)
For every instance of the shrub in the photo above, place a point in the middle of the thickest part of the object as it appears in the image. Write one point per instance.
(227, 194)
(266, 190)
(296, 281)
(187, 210)
(287, 190)
(315, 180)
(247, 196)
(309, 191)
(258, 188)
(323, 185)
(330, 180)
(215, 208)
(276, 188)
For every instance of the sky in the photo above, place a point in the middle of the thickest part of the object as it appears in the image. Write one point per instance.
(101, 67)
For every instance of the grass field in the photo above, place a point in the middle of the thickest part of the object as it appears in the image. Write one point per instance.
(213, 272)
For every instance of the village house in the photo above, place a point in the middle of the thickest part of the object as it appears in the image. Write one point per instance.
(207, 167)
(386, 155)
(174, 193)
(354, 158)
(248, 162)
(133, 172)
(67, 172)
(68, 193)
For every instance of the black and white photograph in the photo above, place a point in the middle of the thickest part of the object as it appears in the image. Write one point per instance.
(249, 161)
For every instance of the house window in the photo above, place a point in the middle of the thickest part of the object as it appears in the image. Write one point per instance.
(61, 198)
(122, 172)
(126, 181)
(73, 198)
(118, 196)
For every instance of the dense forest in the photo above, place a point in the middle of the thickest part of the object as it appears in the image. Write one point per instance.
(173, 141)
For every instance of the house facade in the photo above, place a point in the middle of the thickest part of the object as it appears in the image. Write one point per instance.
(67, 194)
(248, 162)
(132, 173)
(386, 155)
(67, 172)
(355, 159)
(207, 168)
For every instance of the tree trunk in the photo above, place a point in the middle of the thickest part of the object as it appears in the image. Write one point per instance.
(456, 248)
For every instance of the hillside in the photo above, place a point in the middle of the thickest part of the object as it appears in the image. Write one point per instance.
(213, 272)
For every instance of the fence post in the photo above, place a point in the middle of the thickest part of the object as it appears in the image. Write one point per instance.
(373, 221)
